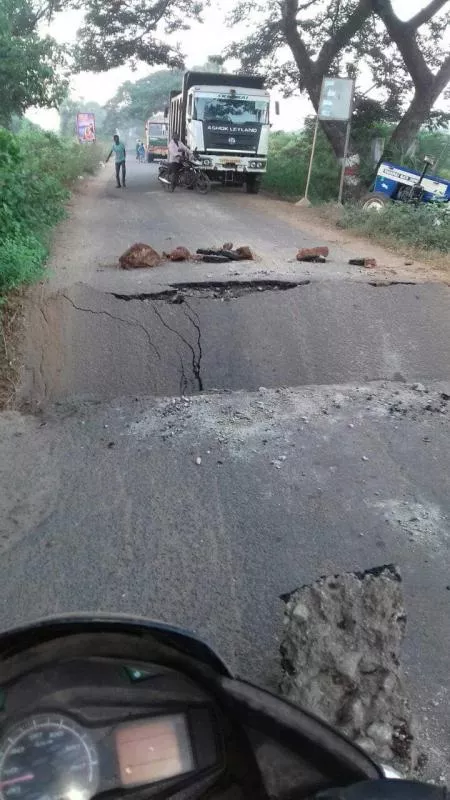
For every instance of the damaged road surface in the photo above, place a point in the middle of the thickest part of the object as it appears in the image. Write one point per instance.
(165, 470)
(230, 336)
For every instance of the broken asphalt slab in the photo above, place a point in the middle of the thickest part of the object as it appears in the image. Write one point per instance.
(231, 336)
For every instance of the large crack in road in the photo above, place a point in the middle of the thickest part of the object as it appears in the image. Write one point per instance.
(193, 337)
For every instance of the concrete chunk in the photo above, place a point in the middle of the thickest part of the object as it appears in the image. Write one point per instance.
(340, 653)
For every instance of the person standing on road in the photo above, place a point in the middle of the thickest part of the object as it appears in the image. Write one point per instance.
(176, 150)
(119, 151)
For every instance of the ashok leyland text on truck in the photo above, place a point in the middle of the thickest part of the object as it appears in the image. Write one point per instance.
(225, 119)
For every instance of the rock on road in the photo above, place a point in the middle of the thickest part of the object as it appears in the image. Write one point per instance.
(201, 510)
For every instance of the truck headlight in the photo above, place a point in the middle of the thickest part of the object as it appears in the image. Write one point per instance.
(206, 162)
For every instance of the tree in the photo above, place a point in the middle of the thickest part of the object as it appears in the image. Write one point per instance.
(31, 68)
(135, 101)
(419, 55)
(116, 33)
(334, 36)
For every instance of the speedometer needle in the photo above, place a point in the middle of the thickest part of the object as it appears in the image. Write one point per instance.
(20, 779)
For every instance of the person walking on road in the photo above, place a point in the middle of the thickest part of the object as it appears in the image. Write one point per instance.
(119, 151)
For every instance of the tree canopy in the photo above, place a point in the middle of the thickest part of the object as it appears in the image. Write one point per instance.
(31, 67)
(135, 101)
(116, 33)
(298, 42)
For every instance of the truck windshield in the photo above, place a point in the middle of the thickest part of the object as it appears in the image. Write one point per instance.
(157, 130)
(234, 110)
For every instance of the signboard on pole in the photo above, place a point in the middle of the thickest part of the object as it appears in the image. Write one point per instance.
(86, 126)
(336, 99)
(335, 104)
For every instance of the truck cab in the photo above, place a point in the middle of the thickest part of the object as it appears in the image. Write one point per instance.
(225, 118)
(157, 138)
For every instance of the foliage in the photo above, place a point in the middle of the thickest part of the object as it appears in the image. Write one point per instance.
(31, 68)
(135, 101)
(287, 166)
(289, 155)
(298, 42)
(425, 227)
(36, 169)
(116, 33)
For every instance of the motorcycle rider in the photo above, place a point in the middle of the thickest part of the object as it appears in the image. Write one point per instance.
(176, 151)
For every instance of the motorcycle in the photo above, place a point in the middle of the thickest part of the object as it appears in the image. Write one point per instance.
(190, 176)
(96, 706)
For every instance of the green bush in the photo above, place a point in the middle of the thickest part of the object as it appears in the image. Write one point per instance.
(426, 226)
(287, 167)
(36, 171)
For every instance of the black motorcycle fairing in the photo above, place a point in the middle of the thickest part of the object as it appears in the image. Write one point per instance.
(272, 747)
(27, 636)
(386, 790)
(297, 753)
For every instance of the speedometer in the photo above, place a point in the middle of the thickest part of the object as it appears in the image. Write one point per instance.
(48, 757)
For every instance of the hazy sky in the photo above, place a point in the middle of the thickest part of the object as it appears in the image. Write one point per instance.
(197, 44)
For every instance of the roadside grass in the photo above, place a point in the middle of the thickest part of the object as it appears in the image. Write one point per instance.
(10, 332)
(287, 167)
(425, 228)
(37, 170)
(421, 232)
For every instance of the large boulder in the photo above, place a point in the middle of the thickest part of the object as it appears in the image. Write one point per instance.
(139, 255)
(340, 652)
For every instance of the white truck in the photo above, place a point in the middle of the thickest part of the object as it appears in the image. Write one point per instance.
(225, 118)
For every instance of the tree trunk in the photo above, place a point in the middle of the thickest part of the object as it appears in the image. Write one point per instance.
(411, 122)
(335, 133)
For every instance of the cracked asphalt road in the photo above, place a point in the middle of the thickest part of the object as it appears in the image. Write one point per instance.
(109, 347)
(104, 506)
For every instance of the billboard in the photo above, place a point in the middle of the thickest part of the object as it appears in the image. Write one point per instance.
(86, 126)
(336, 99)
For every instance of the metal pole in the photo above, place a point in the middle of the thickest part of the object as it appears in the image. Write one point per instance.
(341, 183)
(312, 157)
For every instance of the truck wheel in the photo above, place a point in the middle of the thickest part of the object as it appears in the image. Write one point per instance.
(375, 201)
(252, 184)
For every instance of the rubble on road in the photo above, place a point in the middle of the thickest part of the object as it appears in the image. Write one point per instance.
(317, 254)
(139, 255)
(363, 262)
(244, 253)
(223, 254)
(341, 660)
(180, 253)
